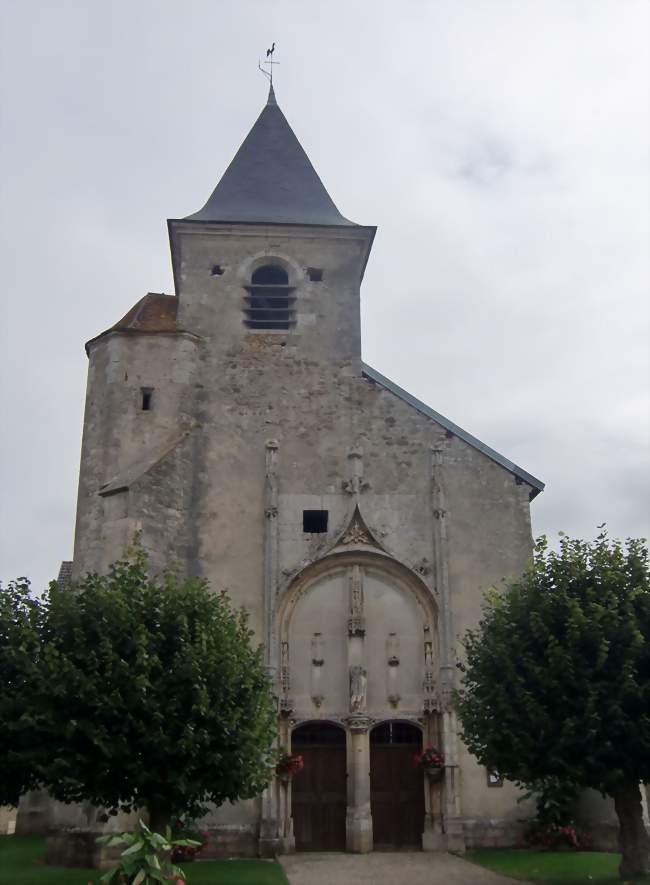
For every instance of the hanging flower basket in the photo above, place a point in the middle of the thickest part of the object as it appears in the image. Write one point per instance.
(434, 773)
(288, 765)
(432, 762)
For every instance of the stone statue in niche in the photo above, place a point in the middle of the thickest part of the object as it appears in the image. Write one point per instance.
(317, 658)
(317, 663)
(392, 647)
(356, 484)
(356, 622)
(285, 672)
(428, 654)
(358, 686)
(356, 592)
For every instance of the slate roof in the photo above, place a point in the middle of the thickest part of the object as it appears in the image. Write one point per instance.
(537, 485)
(271, 180)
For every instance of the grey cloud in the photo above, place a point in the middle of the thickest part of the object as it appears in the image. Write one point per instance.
(501, 148)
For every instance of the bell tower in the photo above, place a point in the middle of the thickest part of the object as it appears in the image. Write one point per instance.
(269, 260)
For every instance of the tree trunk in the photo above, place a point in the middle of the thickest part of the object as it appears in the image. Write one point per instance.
(159, 818)
(634, 839)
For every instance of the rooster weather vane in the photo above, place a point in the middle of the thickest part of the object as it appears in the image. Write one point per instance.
(268, 63)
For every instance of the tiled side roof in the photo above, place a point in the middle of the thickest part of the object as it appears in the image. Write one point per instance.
(156, 312)
(536, 484)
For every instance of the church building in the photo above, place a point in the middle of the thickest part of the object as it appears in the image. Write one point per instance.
(236, 426)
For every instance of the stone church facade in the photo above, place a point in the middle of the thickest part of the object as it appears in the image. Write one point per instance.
(235, 425)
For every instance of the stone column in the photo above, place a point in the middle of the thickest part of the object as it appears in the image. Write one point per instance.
(433, 837)
(453, 824)
(270, 838)
(285, 820)
(271, 555)
(359, 818)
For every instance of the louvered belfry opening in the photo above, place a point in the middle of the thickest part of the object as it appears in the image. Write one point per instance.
(269, 302)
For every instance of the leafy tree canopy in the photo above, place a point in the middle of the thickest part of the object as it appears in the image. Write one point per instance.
(556, 682)
(150, 695)
(20, 630)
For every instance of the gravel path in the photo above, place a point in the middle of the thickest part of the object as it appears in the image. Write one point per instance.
(386, 868)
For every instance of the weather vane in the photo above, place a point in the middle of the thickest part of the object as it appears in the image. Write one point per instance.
(268, 63)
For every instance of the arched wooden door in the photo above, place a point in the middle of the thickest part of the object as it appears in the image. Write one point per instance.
(396, 786)
(319, 791)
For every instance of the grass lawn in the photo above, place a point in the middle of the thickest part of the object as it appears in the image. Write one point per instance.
(20, 865)
(552, 867)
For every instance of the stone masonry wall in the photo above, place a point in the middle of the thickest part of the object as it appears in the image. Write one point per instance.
(231, 390)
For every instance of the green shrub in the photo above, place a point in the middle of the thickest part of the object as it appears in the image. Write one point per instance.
(146, 858)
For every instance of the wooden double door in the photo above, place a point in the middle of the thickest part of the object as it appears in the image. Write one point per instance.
(396, 786)
(319, 791)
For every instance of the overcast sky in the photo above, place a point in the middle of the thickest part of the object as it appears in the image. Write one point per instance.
(501, 146)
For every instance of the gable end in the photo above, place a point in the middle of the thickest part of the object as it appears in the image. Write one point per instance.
(536, 485)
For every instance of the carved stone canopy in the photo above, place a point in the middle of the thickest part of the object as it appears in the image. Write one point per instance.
(358, 534)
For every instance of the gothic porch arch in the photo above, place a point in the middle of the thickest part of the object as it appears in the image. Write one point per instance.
(339, 661)
(338, 560)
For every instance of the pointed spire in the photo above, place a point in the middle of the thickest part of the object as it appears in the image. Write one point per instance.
(271, 180)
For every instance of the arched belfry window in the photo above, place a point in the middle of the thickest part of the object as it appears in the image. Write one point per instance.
(269, 303)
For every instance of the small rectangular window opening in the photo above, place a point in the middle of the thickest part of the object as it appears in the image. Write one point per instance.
(147, 398)
(315, 274)
(314, 521)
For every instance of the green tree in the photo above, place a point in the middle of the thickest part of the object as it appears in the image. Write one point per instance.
(20, 625)
(151, 695)
(556, 682)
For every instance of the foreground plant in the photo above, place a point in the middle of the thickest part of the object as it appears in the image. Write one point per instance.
(21, 623)
(146, 858)
(554, 826)
(187, 830)
(557, 678)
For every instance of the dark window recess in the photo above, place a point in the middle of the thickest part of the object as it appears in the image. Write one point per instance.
(269, 302)
(396, 733)
(314, 521)
(147, 399)
(315, 274)
(217, 270)
(317, 733)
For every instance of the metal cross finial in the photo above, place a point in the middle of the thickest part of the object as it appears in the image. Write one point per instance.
(268, 63)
